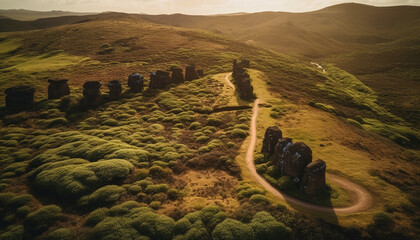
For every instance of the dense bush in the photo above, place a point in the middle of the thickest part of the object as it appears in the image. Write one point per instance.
(40, 220)
(81, 179)
(103, 196)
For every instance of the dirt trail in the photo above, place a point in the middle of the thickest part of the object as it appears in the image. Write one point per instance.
(363, 198)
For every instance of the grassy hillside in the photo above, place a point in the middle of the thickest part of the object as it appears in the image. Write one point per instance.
(379, 45)
(67, 172)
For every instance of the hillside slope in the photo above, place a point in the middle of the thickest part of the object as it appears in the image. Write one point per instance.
(167, 150)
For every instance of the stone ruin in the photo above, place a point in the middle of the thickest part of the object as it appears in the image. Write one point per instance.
(58, 88)
(92, 94)
(19, 98)
(159, 80)
(136, 82)
(314, 177)
(115, 89)
(272, 136)
(242, 79)
(191, 73)
(295, 160)
(296, 157)
(177, 75)
(279, 151)
(200, 73)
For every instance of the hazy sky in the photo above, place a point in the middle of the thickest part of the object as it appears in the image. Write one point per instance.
(186, 6)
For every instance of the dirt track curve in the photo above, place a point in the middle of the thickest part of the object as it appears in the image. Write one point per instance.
(363, 199)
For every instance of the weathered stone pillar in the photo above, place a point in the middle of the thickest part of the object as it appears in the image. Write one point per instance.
(136, 82)
(92, 94)
(279, 152)
(314, 177)
(191, 73)
(297, 156)
(159, 80)
(177, 75)
(115, 89)
(272, 136)
(58, 88)
(19, 98)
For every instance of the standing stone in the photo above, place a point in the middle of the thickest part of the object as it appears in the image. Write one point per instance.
(159, 80)
(296, 157)
(272, 136)
(58, 88)
(191, 73)
(314, 177)
(136, 82)
(177, 75)
(19, 98)
(92, 94)
(200, 73)
(279, 152)
(245, 63)
(115, 89)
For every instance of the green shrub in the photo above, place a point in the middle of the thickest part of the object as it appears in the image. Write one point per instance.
(134, 189)
(55, 122)
(20, 200)
(82, 179)
(13, 233)
(267, 227)
(137, 155)
(202, 139)
(259, 199)
(158, 188)
(103, 196)
(194, 126)
(383, 220)
(143, 183)
(237, 133)
(230, 144)
(231, 229)
(60, 234)
(40, 220)
(142, 173)
(182, 226)
(214, 122)
(173, 194)
(23, 211)
(155, 205)
(5, 199)
(96, 216)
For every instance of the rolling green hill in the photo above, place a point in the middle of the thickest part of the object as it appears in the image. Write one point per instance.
(28, 15)
(162, 164)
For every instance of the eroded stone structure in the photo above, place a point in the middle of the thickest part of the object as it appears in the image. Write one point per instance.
(177, 75)
(242, 79)
(295, 160)
(159, 80)
(92, 96)
(19, 98)
(272, 136)
(58, 88)
(191, 73)
(279, 151)
(136, 82)
(115, 89)
(296, 157)
(314, 177)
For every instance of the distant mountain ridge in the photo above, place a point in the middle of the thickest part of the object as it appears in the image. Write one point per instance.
(29, 15)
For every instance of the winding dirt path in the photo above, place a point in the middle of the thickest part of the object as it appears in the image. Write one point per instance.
(364, 199)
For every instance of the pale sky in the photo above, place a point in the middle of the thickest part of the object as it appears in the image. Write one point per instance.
(187, 6)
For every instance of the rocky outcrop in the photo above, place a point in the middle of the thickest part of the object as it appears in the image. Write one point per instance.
(19, 98)
(58, 88)
(92, 96)
(272, 136)
(159, 80)
(115, 89)
(243, 80)
(191, 73)
(314, 177)
(136, 82)
(177, 75)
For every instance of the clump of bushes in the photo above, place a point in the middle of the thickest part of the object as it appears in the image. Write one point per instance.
(40, 220)
(75, 180)
(103, 196)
